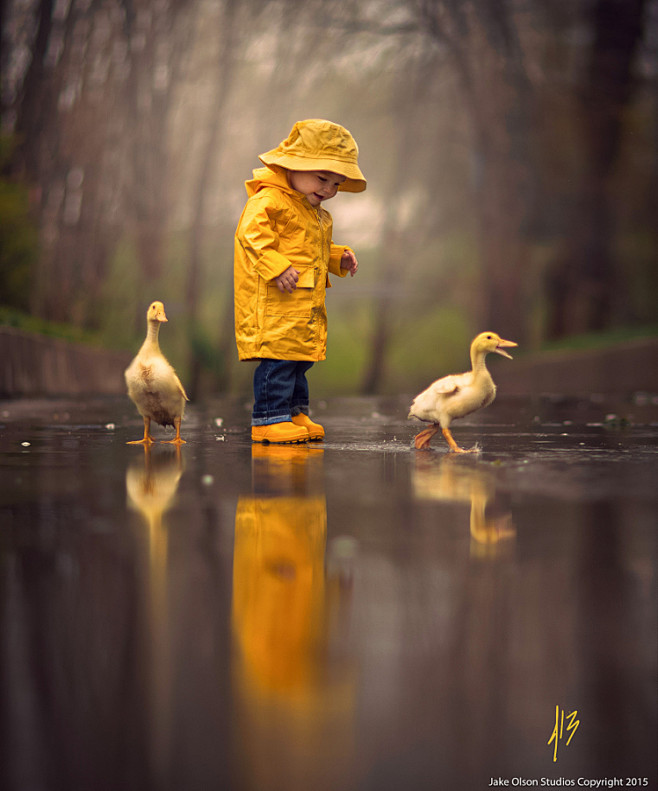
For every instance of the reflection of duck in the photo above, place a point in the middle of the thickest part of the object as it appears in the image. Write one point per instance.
(458, 395)
(290, 696)
(446, 479)
(153, 385)
(151, 485)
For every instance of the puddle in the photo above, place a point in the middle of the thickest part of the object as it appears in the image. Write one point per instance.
(353, 614)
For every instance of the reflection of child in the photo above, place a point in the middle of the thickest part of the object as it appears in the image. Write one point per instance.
(283, 255)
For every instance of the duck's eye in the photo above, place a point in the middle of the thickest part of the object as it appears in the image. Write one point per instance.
(489, 337)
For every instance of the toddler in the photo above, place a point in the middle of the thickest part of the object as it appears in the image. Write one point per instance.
(283, 256)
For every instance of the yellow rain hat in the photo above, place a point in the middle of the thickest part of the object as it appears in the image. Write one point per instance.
(315, 144)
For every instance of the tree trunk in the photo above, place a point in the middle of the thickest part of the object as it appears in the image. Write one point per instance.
(37, 102)
(483, 45)
(146, 115)
(389, 265)
(227, 48)
(584, 290)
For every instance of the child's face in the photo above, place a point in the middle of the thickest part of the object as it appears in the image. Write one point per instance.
(315, 185)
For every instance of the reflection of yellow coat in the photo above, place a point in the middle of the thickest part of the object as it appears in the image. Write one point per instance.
(279, 228)
(278, 590)
(293, 700)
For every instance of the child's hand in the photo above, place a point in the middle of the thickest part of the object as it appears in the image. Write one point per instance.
(348, 261)
(287, 280)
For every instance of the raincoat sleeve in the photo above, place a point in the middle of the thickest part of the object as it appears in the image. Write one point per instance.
(337, 251)
(260, 241)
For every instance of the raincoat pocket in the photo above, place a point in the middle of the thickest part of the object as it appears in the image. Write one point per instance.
(299, 303)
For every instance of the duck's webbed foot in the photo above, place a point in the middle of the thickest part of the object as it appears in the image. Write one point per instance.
(422, 440)
(454, 447)
(147, 439)
(177, 440)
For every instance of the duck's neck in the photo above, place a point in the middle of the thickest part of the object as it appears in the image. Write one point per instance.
(478, 363)
(152, 332)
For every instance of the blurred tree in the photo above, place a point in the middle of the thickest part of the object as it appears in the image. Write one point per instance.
(37, 100)
(34, 104)
(91, 117)
(18, 236)
(228, 43)
(482, 42)
(403, 229)
(154, 39)
(584, 288)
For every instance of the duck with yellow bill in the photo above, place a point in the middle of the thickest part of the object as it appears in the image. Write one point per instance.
(457, 395)
(153, 385)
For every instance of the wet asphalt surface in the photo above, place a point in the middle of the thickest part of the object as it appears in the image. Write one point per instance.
(353, 614)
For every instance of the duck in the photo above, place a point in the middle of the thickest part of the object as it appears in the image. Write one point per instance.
(457, 395)
(153, 385)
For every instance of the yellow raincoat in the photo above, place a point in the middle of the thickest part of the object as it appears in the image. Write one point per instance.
(279, 228)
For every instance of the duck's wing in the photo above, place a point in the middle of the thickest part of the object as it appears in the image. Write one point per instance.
(179, 384)
(425, 404)
(447, 384)
(166, 378)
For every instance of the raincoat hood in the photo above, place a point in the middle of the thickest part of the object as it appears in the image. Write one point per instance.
(271, 176)
(316, 144)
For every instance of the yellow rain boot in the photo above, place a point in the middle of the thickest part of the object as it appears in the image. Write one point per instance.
(279, 433)
(315, 430)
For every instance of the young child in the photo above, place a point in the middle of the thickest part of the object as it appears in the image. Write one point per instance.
(283, 255)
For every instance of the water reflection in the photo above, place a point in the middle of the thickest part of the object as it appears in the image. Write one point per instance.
(294, 697)
(453, 479)
(151, 485)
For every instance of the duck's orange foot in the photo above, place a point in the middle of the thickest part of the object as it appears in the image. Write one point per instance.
(422, 440)
(177, 439)
(144, 441)
(454, 447)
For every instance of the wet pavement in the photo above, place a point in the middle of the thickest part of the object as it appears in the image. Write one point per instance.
(353, 614)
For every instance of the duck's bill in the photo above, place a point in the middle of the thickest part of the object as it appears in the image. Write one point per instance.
(501, 350)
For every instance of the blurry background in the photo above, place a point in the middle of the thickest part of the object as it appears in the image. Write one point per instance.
(510, 146)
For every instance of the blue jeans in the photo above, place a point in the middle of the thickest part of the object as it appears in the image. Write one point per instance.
(280, 391)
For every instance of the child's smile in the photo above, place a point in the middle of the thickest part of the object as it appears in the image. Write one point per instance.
(316, 185)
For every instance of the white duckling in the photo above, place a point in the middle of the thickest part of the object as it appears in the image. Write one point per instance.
(153, 385)
(457, 395)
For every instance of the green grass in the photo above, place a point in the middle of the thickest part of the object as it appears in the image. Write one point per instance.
(601, 340)
(10, 317)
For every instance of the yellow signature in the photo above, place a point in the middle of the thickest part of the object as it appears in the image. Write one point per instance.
(558, 729)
